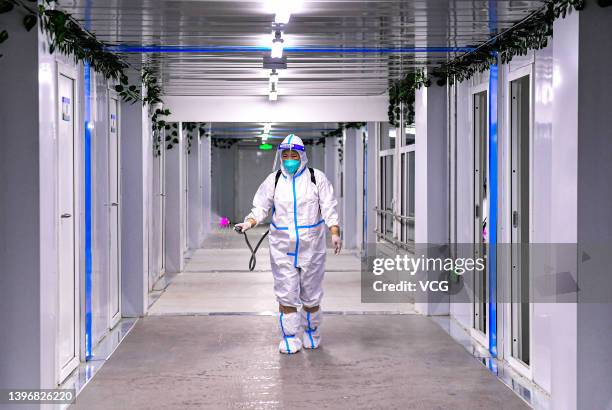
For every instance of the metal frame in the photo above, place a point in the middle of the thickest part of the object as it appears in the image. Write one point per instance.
(399, 183)
(482, 338)
(519, 366)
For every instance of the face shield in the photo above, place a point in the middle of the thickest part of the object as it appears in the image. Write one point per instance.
(291, 142)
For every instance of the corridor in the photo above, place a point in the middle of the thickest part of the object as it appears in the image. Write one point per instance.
(433, 177)
(209, 341)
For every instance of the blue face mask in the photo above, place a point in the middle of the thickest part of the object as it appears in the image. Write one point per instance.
(291, 165)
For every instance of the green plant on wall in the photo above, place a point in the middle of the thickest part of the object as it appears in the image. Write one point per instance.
(172, 135)
(402, 95)
(202, 130)
(531, 33)
(339, 131)
(65, 34)
(318, 141)
(189, 128)
(223, 143)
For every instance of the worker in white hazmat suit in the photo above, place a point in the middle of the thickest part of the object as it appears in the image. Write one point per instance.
(303, 205)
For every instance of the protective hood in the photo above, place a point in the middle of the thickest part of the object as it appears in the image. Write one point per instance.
(292, 142)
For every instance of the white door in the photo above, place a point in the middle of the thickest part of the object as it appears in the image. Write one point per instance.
(115, 228)
(185, 216)
(162, 207)
(69, 317)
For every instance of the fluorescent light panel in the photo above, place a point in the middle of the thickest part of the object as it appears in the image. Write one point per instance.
(277, 48)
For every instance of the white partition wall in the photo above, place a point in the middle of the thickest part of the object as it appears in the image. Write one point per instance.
(287, 109)
(206, 182)
(194, 193)
(136, 165)
(581, 195)
(351, 142)
(175, 203)
(431, 185)
(30, 212)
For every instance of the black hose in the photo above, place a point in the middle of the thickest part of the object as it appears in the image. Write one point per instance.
(253, 260)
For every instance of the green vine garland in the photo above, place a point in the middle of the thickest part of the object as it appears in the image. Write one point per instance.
(224, 143)
(402, 97)
(172, 136)
(338, 132)
(531, 33)
(318, 141)
(190, 127)
(66, 35)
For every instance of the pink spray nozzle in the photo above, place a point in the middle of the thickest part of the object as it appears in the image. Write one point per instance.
(224, 222)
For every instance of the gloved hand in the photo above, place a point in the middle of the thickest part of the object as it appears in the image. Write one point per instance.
(337, 242)
(244, 226)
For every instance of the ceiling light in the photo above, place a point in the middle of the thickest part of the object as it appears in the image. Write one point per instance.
(273, 77)
(273, 94)
(282, 11)
(277, 48)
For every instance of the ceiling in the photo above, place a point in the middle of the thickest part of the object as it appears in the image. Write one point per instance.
(246, 130)
(379, 35)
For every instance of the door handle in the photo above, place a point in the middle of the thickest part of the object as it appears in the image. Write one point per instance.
(114, 204)
(66, 216)
(515, 219)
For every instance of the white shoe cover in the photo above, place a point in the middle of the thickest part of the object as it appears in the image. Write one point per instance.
(289, 324)
(311, 321)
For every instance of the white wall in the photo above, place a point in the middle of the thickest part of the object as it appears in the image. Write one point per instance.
(136, 184)
(195, 197)
(286, 109)
(175, 205)
(20, 210)
(252, 168)
(351, 141)
(28, 210)
(431, 186)
(223, 169)
(207, 186)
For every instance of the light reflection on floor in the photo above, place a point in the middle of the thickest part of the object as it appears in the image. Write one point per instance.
(524, 388)
(87, 370)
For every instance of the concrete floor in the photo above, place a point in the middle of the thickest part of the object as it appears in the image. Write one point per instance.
(204, 346)
(216, 279)
(231, 362)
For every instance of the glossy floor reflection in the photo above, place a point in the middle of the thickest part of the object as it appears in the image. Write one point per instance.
(102, 352)
(365, 362)
(537, 398)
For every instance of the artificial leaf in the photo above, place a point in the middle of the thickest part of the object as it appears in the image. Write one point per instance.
(29, 21)
(5, 6)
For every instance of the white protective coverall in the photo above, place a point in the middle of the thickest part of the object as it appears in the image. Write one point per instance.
(301, 212)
